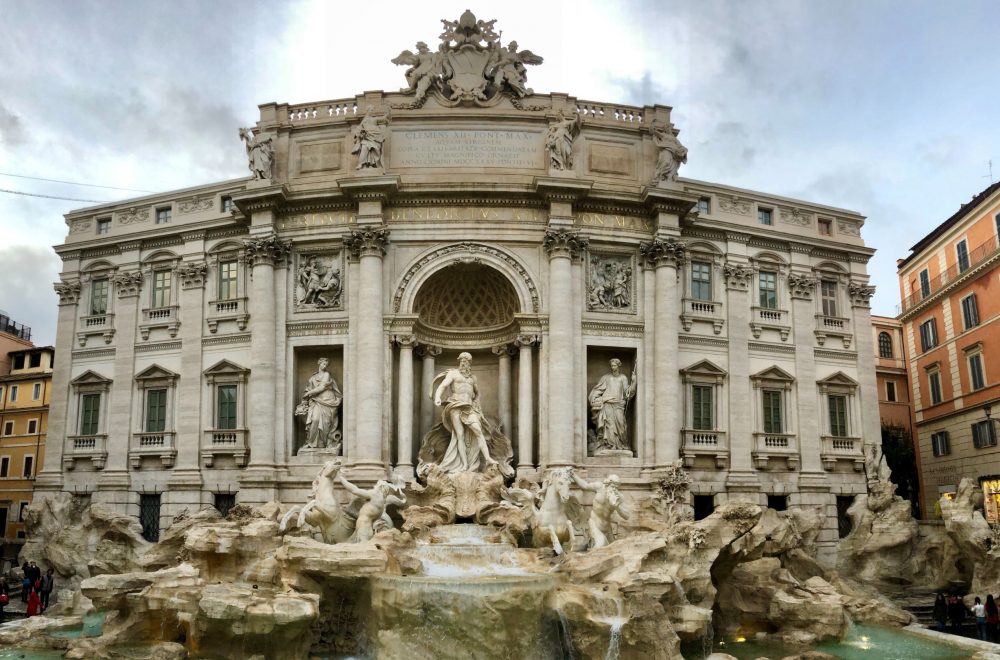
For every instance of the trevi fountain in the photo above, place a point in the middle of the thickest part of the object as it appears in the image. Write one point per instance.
(550, 509)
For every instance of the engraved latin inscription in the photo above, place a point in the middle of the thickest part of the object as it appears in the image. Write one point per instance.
(460, 148)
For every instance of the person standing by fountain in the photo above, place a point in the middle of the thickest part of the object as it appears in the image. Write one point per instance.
(992, 619)
(979, 611)
(940, 611)
(48, 582)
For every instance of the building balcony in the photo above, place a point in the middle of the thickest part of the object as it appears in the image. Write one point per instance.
(232, 309)
(765, 317)
(837, 448)
(981, 253)
(160, 317)
(155, 445)
(92, 447)
(707, 311)
(833, 326)
(96, 324)
(225, 442)
(768, 446)
(705, 443)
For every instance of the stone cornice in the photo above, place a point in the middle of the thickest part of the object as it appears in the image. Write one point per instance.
(269, 198)
(665, 200)
(554, 189)
(370, 188)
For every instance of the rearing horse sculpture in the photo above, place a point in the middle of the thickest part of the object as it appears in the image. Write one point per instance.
(550, 523)
(323, 510)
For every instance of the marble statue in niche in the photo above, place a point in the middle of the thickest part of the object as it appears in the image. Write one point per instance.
(260, 154)
(369, 139)
(609, 401)
(610, 284)
(319, 282)
(672, 154)
(559, 141)
(465, 440)
(320, 406)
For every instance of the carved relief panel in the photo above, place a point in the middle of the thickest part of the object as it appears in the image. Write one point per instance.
(610, 283)
(319, 281)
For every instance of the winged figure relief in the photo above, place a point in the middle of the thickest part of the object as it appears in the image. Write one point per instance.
(506, 67)
(425, 67)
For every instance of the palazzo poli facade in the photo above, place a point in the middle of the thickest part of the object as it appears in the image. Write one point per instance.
(390, 232)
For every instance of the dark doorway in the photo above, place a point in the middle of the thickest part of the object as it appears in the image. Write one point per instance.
(844, 503)
(704, 505)
(777, 502)
(149, 517)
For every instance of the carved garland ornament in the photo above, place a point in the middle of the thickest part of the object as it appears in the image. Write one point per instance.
(801, 286)
(267, 250)
(68, 292)
(79, 226)
(469, 249)
(663, 252)
(369, 242)
(564, 243)
(133, 215)
(738, 276)
(860, 293)
(128, 283)
(194, 205)
(735, 205)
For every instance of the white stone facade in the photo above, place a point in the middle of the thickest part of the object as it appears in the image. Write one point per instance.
(466, 238)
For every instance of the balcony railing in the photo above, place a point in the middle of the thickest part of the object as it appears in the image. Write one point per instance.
(93, 447)
(160, 317)
(775, 445)
(705, 443)
(835, 326)
(13, 328)
(766, 317)
(96, 324)
(980, 254)
(835, 448)
(224, 442)
(159, 444)
(702, 310)
(228, 309)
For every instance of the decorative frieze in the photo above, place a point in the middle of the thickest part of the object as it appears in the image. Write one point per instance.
(134, 215)
(367, 242)
(196, 204)
(316, 328)
(860, 294)
(663, 252)
(734, 204)
(193, 275)
(613, 329)
(848, 227)
(801, 286)
(128, 283)
(610, 283)
(68, 292)
(738, 276)
(794, 216)
(80, 226)
(268, 249)
(564, 243)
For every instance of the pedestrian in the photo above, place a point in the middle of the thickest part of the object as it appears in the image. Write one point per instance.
(956, 614)
(4, 596)
(992, 619)
(36, 573)
(979, 611)
(940, 611)
(48, 582)
(34, 602)
(25, 588)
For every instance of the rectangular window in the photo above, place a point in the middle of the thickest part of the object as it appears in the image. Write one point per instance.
(99, 296)
(18, 362)
(8, 428)
(970, 311)
(828, 294)
(227, 203)
(13, 393)
(161, 288)
(764, 216)
(35, 360)
(32, 426)
(702, 408)
(928, 335)
(227, 280)
(36, 391)
(103, 225)
(767, 284)
(825, 227)
(90, 410)
(773, 421)
(149, 516)
(934, 380)
(1, 396)
(777, 502)
(701, 280)
(156, 411)
(838, 415)
(704, 205)
(224, 502)
(29, 466)
(962, 252)
(162, 216)
(976, 374)
(940, 443)
(4, 466)
(226, 406)
(984, 434)
(925, 283)
(890, 391)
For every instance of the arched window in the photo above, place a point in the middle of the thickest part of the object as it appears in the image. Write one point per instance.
(884, 345)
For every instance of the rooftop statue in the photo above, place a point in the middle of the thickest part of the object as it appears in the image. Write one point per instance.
(469, 65)
(672, 154)
(260, 154)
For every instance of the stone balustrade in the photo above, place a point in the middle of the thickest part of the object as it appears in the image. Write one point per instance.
(712, 444)
(767, 446)
(92, 447)
(153, 444)
(224, 442)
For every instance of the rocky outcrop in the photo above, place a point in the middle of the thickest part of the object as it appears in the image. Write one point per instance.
(977, 542)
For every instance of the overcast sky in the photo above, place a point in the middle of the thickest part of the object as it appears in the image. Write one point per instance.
(887, 108)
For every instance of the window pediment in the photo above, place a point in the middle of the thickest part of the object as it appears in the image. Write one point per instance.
(89, 377)
(226, 371)
(839, 378)
(703, 370)
(155, 372)
(774, 374)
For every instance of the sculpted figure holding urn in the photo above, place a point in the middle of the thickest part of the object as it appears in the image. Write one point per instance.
(321, 407)
(608, 501)
(368, 140)
(672, 154)
(608, 401)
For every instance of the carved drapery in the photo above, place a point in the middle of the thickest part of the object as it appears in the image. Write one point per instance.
(68, 292)
(610, 283)
(267, 249)
(663, 252)
(368, 242)
(193, 275)
(801, 286)
(564, 243)
(128, 283)
(738, 276)
(860, 293)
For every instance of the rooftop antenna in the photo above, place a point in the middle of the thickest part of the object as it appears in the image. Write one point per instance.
(989, 165)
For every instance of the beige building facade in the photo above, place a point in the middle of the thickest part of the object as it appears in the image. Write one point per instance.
(543, 235)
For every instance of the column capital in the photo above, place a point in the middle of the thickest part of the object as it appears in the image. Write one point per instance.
(860, 293)
(405, 341)
(526, 341)
(663, 252)
(502, 349)
(68, 292)
(193, 275)
(128, 283)
(738, 276)
(267, 250)
(801, 286)
(367, 242)
(428, 351)
(564, 242)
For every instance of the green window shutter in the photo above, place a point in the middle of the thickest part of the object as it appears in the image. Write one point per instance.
(226, 407)
(91, 405)
(156, 411)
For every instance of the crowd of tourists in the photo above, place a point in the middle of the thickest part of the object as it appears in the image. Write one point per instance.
(950, 614)
(36, 589)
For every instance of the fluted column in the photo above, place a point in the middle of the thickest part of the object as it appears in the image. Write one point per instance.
(368, 245)
(503, 386)
(666, 255)
(404, 408)
(561, 244)
(428, 353)
(263, 253)
(192, 276)
(525, 405)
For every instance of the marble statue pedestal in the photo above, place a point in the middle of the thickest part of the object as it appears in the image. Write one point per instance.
(626, 453)
(317, 455)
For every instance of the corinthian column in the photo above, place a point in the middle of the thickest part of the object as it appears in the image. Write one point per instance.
(368, 245)
(562, 245)
(503, 386)
(525, 409)
(665, 255)
(404, 408)
(428, 353)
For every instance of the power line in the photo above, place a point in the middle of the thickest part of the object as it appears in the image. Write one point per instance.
(68, 199)
(73, 183)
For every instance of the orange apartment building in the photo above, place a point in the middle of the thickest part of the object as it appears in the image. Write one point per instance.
(950, 314)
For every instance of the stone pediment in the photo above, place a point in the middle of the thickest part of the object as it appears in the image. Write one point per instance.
(704, 368)
(156, 372)
(839, 378)
(774, 373)
(225, 367)
(89, 377)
